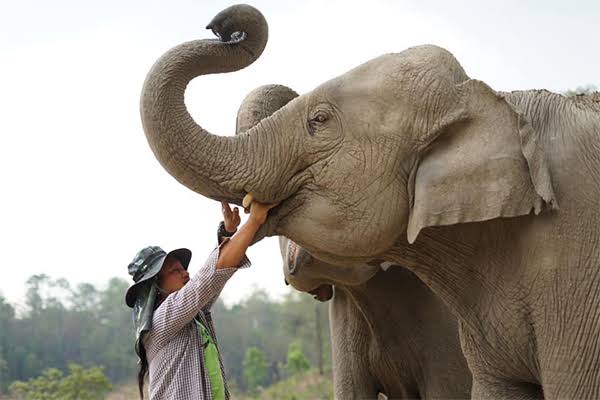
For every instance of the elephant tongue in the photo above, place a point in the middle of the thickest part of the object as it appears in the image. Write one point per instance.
(322, 293)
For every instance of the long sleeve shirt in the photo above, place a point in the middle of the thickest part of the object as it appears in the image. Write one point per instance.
(173, 345)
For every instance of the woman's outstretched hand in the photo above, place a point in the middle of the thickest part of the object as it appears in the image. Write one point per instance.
(233, 250)
(259, 212)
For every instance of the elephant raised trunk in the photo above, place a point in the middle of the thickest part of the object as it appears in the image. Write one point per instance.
(201, 161)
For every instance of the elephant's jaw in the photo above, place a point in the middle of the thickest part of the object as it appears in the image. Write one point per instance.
(277, 215)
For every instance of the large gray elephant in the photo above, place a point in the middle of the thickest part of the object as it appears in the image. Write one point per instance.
(408, 160)
(389, 333)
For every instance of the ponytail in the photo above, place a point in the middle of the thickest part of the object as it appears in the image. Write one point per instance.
(143, 371)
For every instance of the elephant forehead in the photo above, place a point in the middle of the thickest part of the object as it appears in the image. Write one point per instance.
(363, 94)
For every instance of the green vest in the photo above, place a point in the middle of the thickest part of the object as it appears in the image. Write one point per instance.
(211, 362)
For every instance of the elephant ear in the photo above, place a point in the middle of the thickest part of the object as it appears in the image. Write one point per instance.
(261, 103)
(485, 161)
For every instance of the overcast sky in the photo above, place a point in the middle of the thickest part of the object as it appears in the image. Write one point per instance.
(81, 189)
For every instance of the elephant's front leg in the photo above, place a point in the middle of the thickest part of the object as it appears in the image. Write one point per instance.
(492, 389)
(498, 373)
(352, 374)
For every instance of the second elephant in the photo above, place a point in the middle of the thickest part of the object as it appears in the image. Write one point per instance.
(389, 333)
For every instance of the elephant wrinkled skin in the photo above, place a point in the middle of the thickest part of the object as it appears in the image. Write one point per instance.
(406, 159)
(389, 333)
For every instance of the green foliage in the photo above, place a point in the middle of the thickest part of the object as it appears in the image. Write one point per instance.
(3, 375)
(62, 325)
(296, 360)
(305, 386)
(88, 325)
(271, 326)
(255, 368)
(587, 89)
(80, 384)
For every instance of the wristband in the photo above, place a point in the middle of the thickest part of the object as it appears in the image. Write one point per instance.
(222, 232)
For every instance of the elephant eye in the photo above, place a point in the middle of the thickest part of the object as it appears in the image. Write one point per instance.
(321, 118)
(314, 122)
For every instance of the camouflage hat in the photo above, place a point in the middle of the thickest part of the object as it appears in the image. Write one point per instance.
(147, 264)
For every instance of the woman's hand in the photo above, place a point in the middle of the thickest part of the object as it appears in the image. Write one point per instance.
(259, 212)
(231, 218)
(233, 250)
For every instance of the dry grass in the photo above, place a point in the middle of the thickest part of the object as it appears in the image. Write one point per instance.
(127, 391)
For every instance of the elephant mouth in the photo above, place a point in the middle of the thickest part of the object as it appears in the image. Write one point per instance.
(277, 216)
(322, 293)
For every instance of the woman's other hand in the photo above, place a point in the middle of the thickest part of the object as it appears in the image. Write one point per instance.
(231, 218)
(233, 250)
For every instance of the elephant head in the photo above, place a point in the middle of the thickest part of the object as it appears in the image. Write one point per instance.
(362, 162)
(301, 270)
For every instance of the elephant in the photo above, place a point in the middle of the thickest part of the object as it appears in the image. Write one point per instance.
(489, 198)
(389, 332)
(410, 350)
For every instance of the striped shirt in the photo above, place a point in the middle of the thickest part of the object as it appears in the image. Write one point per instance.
(173, 345)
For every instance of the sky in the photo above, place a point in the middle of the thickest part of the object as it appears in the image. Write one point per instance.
(81, 191)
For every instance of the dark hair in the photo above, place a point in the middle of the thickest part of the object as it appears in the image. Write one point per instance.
(143, 370)
(143, 359)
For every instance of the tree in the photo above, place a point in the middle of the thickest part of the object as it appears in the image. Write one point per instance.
(3, 374)
(7, 321)
(306, 320)
(80, 384)
(579, 90)
(87, 325)
(296, 360)
(255, 368)
(91, 327)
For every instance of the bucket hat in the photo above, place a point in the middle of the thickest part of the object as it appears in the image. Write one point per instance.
(147, 264)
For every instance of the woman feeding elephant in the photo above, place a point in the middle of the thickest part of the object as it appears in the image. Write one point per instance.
(175, 337)
(406, 159)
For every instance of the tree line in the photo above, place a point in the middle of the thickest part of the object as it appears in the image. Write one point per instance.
(69, 328)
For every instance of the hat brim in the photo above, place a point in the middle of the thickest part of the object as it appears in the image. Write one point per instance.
(183, 255)
(150, 273)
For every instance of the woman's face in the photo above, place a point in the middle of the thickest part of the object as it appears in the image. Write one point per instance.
(172, 275)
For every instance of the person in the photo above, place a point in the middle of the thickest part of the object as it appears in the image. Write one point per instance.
(175, 337)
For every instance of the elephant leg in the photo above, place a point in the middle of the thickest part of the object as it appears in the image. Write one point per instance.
(348, 383)
(352, 378)
(352, 373)
(491, 389)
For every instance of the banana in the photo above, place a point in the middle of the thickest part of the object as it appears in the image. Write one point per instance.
(247, 200)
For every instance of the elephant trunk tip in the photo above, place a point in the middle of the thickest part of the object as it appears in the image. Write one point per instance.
(237, 23)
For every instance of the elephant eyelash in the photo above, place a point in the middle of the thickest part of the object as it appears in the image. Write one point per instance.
(312, 127)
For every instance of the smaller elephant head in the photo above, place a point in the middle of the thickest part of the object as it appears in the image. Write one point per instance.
(308, 274)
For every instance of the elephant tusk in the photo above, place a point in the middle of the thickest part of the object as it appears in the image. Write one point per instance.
(247, 200)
